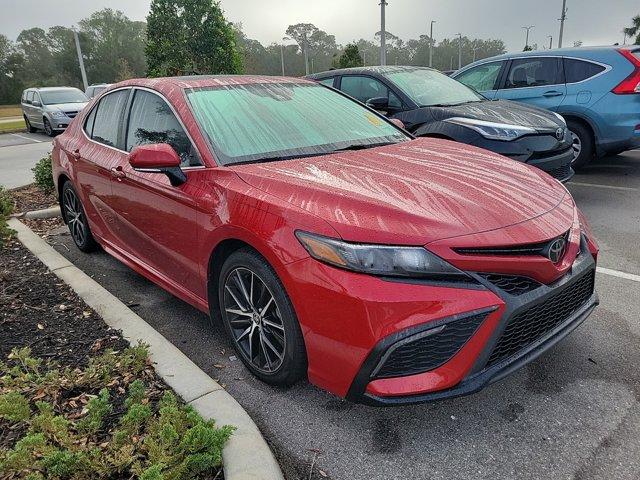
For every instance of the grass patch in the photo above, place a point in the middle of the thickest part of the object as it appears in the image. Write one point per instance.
(12, 126)
(110, 419)
(10, 111)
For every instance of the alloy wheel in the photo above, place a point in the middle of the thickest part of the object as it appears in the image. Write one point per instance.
(576, 145)
(47, 127)
(254, 318)
(75, 217)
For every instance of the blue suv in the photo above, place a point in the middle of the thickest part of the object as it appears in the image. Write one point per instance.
(596, 90)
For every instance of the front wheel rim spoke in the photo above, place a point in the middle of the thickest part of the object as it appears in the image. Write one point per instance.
(272, 324)
(236, 311)
(235, 299)
(264, 351)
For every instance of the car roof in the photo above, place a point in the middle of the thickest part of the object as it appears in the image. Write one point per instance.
(200, 81)
(49, 89)
(577, 52)
(380, 70)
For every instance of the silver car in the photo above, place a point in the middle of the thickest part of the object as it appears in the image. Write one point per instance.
(51, 108)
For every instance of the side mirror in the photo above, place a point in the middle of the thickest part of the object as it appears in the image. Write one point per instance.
(397, 122)
(378, 103)
(36, 103)
(158, 158)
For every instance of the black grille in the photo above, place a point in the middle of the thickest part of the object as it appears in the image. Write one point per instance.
(523, 249)
(533, 323)
(71, 114)
(548, 154)
(424, 352)
(560, 172)
(512, 284)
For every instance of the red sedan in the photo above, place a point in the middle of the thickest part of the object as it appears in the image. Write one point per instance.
(330, 243)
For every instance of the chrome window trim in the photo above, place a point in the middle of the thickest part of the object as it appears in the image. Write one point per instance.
(607, 68)
(133, 87)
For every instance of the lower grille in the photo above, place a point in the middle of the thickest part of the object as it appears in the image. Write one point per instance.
(425, 351)
(71, 114)
(560, 172)
(528, 326)
(512, 284)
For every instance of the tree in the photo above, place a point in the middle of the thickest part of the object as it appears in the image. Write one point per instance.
(190, 37)
(111, 37)
(634, 29)
(350, 57)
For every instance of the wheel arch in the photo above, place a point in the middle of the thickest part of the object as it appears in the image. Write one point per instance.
(571, 117)
(62, 179)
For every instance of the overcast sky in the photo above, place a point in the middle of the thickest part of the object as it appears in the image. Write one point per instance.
(594, 22)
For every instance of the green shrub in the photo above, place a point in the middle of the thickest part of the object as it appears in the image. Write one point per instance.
(43, 174)
(158, 437)
(6, 208)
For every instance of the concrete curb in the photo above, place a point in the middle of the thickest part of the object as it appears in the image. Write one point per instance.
(45, 213)
(246, 456)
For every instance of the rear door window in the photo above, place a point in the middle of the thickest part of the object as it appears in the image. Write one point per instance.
(533, 72)
(151, 120)
(108, 118)
(578, 70)
(365, 88)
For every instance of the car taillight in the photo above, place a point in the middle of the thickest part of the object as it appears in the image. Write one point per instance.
(631, 84)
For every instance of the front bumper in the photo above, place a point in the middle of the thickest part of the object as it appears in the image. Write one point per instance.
(542, 151)
(487, 367)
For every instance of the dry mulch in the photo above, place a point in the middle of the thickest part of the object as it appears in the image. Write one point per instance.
(30, 197)
(39, 311)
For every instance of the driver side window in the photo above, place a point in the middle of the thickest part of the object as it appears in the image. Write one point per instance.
(365, 88)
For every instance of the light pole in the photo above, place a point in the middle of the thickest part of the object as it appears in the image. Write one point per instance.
(80, 59)
(550, 41)
(305, 48)
(431, 45)
(475, 49)
(284, 39)
(526, 42)
(383, 34)
(459, 50)
(563, 17)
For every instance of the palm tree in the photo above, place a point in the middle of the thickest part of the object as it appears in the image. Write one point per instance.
(634, 30)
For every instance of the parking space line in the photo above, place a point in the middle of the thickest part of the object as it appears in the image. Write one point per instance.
(27, 138)
(616, 273)
(611, 187)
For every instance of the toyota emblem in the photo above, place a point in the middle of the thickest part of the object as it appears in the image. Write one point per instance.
(560, 133)
(556, 249)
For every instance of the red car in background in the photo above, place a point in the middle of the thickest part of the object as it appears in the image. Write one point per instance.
(330, 243)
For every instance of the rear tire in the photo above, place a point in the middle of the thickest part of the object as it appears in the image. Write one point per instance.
(30, 128)
(259, 319)
(582, 145)
(76, 219)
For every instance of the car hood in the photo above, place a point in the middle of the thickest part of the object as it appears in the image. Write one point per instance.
(67, 107)
(501, 111)
(414, 192)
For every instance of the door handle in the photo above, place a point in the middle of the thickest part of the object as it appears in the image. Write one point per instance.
(552, 93)
(118, 173)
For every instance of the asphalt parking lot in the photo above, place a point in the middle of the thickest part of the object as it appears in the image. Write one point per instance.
(19, 152)
(574, 413)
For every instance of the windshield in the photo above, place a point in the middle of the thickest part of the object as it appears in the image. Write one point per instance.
(68, 95)
(267, 122)
(429, 88)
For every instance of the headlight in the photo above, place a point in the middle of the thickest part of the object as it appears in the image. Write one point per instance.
(492, 130)
(58, 114)
(383, 260)
(561, 118)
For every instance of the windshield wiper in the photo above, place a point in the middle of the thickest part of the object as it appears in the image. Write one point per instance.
(362, 146)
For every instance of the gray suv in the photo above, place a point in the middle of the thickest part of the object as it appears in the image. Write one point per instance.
(51, 108)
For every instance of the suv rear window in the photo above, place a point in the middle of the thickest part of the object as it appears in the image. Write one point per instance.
(579, 70)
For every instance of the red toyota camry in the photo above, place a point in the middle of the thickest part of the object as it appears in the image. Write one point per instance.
(330, 243)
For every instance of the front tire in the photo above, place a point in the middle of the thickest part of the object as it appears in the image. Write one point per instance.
(582, 145)
(48, 129)
(259, 319)
(76, 219)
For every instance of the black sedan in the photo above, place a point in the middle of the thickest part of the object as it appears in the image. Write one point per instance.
(430, 104)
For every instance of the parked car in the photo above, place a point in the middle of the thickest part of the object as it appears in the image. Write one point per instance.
(329, 242)
(93, 90)
(51, 108)
(597, 91)
(430, 104)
